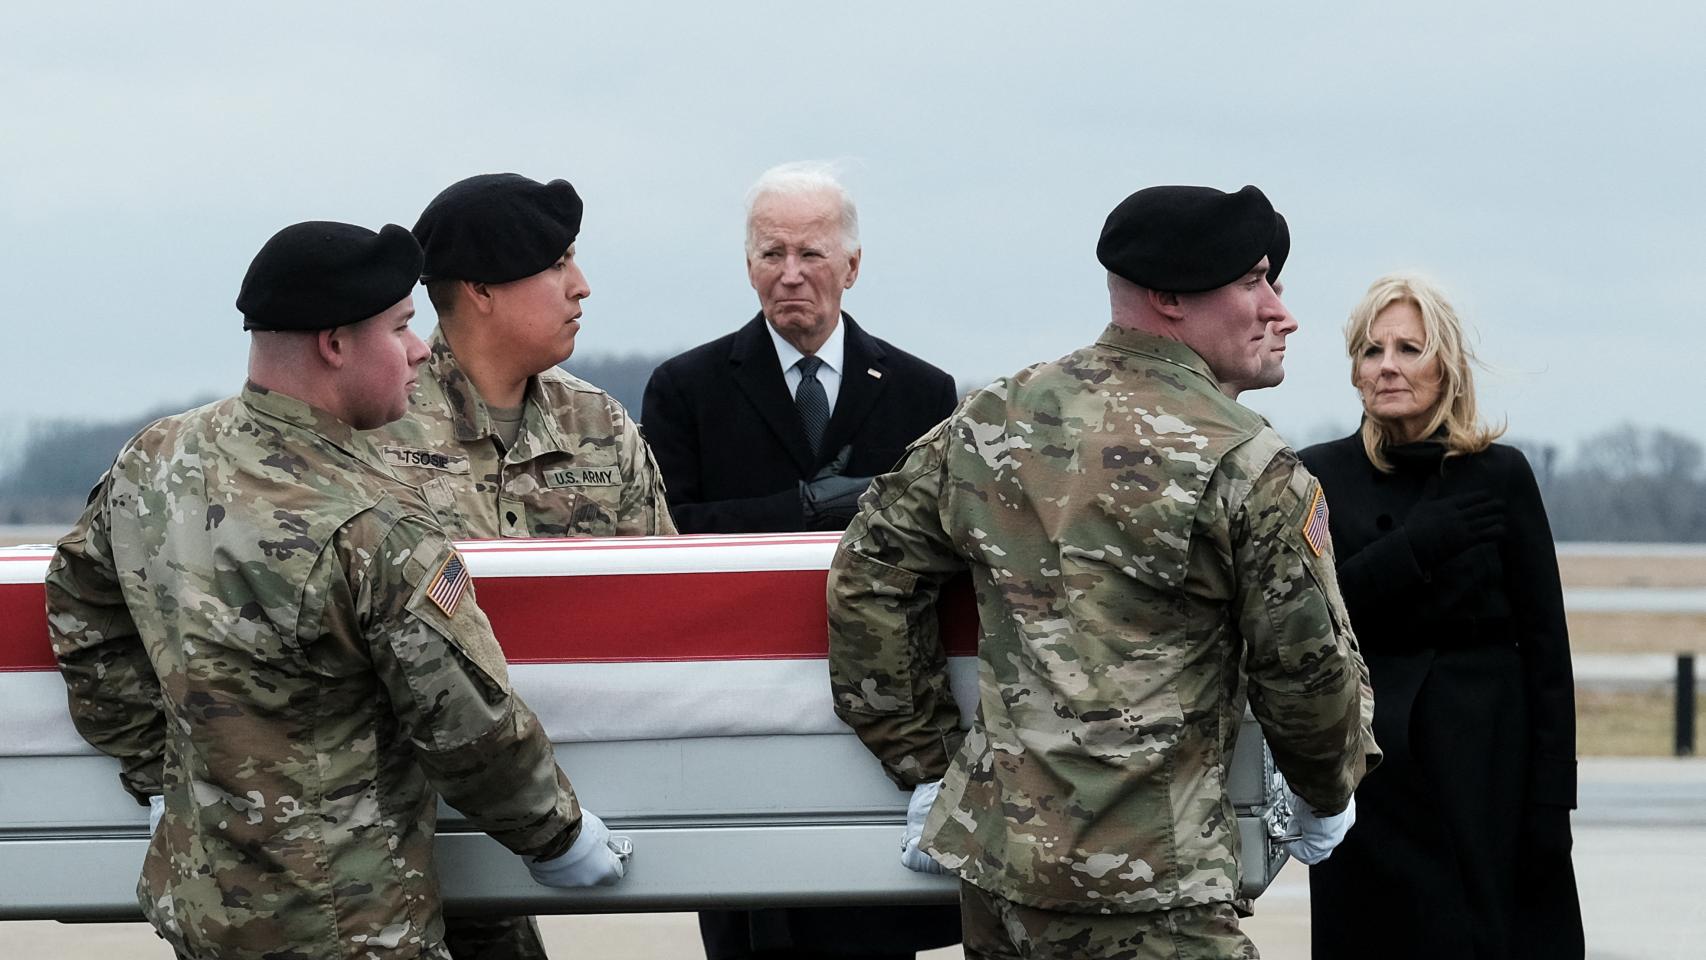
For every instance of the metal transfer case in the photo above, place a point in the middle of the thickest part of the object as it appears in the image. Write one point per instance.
(683, 680)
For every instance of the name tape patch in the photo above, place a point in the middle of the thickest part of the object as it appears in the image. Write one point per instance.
(448, 584)
(583, 477)
(1315, 532)
(430, 459)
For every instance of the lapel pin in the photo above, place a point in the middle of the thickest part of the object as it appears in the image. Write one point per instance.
(873, 371)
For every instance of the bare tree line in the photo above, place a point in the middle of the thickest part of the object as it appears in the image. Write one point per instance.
(1628, 484)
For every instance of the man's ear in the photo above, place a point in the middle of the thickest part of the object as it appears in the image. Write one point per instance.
(853, 268)
(333, 346)
(1166, 304)
(478, 295)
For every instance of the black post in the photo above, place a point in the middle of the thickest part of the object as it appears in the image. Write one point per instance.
(1685, 704)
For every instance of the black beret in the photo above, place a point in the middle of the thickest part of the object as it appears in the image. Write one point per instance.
(1187, 239)
(322, 274)
(1279, 249)
(497, 227)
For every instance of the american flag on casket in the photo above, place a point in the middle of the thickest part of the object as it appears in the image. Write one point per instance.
(607, 639)
(636, 639)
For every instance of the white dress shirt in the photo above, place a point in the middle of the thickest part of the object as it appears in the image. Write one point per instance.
(832, 353)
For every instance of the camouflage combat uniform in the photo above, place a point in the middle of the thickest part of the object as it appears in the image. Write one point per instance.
(261, 624)
(1138, 547)
(579, 467)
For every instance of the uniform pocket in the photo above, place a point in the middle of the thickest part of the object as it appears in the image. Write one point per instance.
(581, 499)
(440, 493)
(1304, 612)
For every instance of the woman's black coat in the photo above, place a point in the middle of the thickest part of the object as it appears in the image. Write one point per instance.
(1461, 846)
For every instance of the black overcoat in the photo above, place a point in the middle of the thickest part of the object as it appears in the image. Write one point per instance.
(1461, 846)
(728, 438)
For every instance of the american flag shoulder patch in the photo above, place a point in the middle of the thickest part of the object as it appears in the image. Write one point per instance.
(1315, 531)
(449, 584)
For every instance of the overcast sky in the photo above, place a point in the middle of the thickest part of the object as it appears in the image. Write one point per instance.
(1543, 162)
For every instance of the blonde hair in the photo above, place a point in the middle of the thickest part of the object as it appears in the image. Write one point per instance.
(1443, 338)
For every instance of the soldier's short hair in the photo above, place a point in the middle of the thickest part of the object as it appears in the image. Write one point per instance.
(442, 294)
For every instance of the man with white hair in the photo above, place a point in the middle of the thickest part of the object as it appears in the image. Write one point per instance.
(780, 426)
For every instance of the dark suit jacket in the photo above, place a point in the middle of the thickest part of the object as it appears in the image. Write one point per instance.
(725, 432)
(727, 436)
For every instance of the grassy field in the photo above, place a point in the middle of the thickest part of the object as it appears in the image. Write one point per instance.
(1632, 722)
(1623, 723)
(1635, 632)
(1613, 571)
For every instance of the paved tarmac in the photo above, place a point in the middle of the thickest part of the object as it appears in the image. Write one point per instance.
(1640, 863)
(1640, 858)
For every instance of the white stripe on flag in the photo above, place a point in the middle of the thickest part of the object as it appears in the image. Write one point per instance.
(577, 702)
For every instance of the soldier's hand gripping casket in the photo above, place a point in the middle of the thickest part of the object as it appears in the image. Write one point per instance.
(1318, 835)
(595, 859)
(917, 811)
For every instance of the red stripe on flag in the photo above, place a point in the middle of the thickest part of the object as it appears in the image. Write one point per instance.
(764, 615)
(23, 628)
(633, 617)
(685, 541)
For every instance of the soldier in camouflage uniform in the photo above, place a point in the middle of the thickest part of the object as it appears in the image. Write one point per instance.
(500, 441)
(1272, 371)
(284, 651)
(1146, 555)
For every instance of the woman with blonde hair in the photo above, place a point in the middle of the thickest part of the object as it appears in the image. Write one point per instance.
(1462, 842)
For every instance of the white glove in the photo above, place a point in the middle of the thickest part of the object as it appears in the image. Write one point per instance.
(1317, 836)
(917, 809)
(595, 859)
(156, 810)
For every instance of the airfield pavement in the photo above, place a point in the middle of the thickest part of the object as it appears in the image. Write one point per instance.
(1640, 862)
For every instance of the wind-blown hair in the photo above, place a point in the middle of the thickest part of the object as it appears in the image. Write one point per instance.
(805, 178)
(1442, 332)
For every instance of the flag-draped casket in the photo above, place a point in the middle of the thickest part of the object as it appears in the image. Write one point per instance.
(683, 680)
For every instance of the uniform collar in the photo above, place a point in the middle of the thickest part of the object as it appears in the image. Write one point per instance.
(469, 416)
(280, 406)
(1138, 343)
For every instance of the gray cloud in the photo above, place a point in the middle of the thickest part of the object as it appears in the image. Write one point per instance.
(1542, 162)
